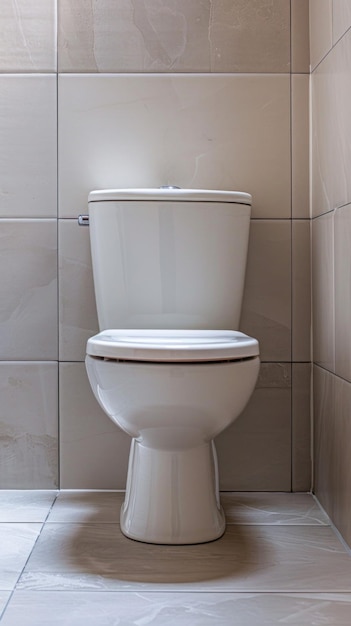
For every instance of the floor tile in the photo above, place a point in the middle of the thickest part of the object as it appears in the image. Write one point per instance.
(16, 543)
(4, 596)
(272, 508)
(240, 508)
(87, 506)
(25, 506)
(247, 558)
(176, 609)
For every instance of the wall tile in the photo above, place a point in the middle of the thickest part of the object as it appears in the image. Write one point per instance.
(255, 452)
(266, 312)
(250, 36)
(323, 291)
(28, 146)
(93, 450)
(342, 252)
(332, 433)
(133, 36)
(29, 401)
(28, 276)
(301, 291)
(301, 427)
(320, 29)
(196, 131)
(300, 38)
(28, 41)
(300, 145)
(331, 129)
(174, 36)
(77, 314)
(341, 18)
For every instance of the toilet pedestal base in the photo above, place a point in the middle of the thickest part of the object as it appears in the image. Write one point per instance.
(172, 496)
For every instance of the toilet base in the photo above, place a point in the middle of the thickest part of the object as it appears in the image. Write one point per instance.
(172, 496)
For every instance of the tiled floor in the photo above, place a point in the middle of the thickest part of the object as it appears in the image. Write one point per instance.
(65, 561)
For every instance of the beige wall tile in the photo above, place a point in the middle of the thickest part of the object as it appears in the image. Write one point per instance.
(323, 291)
(301, 290)
(28, 446)
(28, 277)
(300, 145)
(77, 308)
(320, 29)
(266, 311)
(300, 37)
(255, 452)
(324, 424)
(250, 36)
(342, 252)
(174, 36)
(331, 129)
(28, 39)
(332, 433)
(192, 131)
(93, 450)
(341, 18)
(28, 147)
(301, 427)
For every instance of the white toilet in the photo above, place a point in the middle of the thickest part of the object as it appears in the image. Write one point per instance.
(169, 366)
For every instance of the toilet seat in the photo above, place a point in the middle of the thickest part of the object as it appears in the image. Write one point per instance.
(172, 345)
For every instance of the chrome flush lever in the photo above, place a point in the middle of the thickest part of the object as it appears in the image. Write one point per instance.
(83, 220)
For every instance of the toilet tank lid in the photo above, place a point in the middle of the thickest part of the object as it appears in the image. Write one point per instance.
(171, 193)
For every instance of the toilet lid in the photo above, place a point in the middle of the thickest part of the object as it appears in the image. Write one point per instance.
(172, 345)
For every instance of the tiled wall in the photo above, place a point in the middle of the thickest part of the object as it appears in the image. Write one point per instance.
(207, 94)
(331, 232)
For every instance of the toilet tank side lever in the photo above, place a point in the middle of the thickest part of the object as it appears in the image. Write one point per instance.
(83, 220)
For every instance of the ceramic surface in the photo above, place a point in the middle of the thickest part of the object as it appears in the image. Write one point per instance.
(177, 609)
(342, 252)
(138, 36)
(97, 557)
(332, 398)
(331, 127)
(28, 149)
(341, 18)
(25, 506)
(92, 435)
(323, 291)
(193, 131)
(301, 290)
(83, 571)
(321, 15)
(300, 146)
(93, 451)
(28, 273)
(29, 441)
(300, 49)
(264, 428)
(301, 427)
(77, 308)
(16, 543)
(266, 308)
(28, 36)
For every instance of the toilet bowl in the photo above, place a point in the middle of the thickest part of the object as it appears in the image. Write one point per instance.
(165, 256)
(173, 392)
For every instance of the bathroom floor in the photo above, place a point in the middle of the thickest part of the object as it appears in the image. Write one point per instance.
(64, 561)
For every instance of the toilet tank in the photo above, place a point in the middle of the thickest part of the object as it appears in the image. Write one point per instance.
(169, 258)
